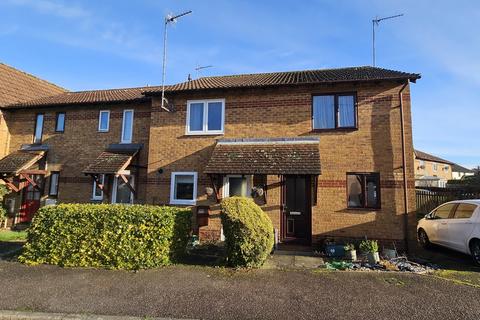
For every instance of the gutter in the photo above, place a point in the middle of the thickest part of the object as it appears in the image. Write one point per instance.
(404, 167)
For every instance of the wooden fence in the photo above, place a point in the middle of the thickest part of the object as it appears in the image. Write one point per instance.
(428, 198)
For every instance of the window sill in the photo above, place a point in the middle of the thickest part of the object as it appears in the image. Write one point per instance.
(364, 209)
(335, 129)
(183, 202)
(204, 133)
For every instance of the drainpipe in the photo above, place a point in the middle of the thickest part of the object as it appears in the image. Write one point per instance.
(404, 166)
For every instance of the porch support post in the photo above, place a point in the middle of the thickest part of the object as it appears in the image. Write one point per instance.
(30, 181)
(132, 189)
(215, 188)
(10, 185)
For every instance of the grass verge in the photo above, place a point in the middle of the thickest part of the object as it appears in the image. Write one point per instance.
(7, 235)
(468, 278)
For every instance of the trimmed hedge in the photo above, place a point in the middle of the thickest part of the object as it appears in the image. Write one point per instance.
(107, 236)
(248, 232)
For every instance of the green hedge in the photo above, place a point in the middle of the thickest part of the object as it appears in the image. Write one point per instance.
(107, 236)
(248, 232)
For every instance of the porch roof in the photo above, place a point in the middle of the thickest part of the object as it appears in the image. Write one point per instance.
(114, 159)
(19, 160)
(265, 156)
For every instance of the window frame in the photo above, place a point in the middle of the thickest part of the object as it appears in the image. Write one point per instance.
(57, 173)
(379, 188)
(100, 121)
(131, 126)
(226, 184)
(435, 166)
(205, 130)
(172, 188)
(115, 187)
(35, 128)
(94, 196)
(64, 122)
(336, 110)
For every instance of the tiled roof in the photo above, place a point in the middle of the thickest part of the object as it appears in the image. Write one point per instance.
(17, 86)
(289, 78)
(459, 168)
(265, 156)
(84, 97)
(425, 156)
(113, 160)
(20, 160)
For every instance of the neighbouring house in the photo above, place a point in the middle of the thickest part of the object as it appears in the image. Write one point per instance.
(320, 150)
(17, 86)
(431, 171)
(458, 172)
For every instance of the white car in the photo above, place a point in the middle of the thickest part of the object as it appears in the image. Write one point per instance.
(455, 225)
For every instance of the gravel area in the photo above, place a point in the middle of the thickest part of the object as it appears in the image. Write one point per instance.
(210, 293)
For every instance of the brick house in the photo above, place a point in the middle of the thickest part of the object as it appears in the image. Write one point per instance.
(431, 171)
(320, 150)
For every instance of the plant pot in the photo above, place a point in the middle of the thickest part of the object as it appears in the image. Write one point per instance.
(351, 255)
(373, 257)
(389, 253)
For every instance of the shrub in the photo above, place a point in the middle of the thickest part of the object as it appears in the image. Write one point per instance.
(107, 236)
(3, 212)
(369, 246)
(248, 232)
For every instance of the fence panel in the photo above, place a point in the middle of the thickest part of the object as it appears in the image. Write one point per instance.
(429, 198)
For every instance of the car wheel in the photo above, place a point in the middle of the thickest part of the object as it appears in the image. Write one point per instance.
(423, 239)
(475, 251)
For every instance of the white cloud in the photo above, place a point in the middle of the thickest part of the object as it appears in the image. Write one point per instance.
(52, 7)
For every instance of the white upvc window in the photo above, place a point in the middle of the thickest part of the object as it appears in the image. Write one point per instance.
(127, 126)
(183, 188)
(97, 193)
(237, 185)
(121, 193)
(104, 121)
(205, 116)
(435, 166)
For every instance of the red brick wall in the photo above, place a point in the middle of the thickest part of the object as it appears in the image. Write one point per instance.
(286, 112)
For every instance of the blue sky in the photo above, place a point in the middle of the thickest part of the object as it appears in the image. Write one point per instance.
(107, 44)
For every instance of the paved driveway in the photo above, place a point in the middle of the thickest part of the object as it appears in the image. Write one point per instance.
(208, 293)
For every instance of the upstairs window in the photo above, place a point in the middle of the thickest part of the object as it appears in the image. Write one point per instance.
(435, 167)
(334, 111)
(37, 136)
(127, 126)
(205, 116)
(104, 121)
(363, 190)
(60, 122)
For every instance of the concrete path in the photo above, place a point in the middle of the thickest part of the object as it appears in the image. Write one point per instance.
(217, 293)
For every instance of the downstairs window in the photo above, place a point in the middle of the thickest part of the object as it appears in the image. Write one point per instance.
(363, 190)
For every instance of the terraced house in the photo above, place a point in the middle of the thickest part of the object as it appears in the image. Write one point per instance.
(326, 153)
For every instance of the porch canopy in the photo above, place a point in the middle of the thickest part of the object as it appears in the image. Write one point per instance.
(20, 164)
(113, 161)
(269, 156)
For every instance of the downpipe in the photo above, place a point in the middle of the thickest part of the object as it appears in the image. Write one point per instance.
(404, 167)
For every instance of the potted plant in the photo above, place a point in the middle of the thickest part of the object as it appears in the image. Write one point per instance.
(370, 247)
(350, 252)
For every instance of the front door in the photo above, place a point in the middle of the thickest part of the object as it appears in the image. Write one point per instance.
(31, 199)
(297, 220)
